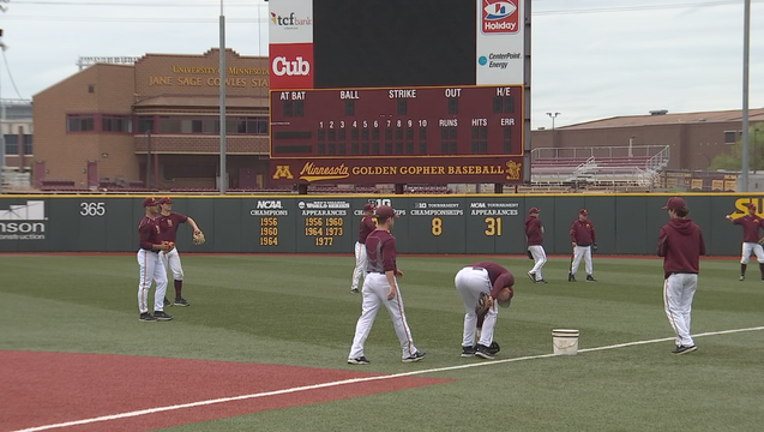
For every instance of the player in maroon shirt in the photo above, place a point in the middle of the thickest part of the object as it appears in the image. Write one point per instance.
(366, 227)
(381, 287)
(169, 222)
(751, 224)
(584, 240)
(534, 234)
(471, 282)
(151, 267)
(680, 244)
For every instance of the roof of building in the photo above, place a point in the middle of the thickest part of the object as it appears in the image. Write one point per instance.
(756, 114)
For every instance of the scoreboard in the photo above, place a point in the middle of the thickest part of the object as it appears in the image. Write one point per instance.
(370, 92)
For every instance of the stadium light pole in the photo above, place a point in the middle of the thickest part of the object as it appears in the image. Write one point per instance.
(223, 170)
(746, 69)
(553, 116)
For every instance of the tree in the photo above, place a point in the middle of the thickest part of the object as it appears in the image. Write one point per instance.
(732, 161)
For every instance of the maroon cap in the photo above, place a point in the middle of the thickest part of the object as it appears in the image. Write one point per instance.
(385, 211)
(369, 207)
(150, 202)
(534, 210)
(165, 200)
(751, 207)
(583, 212)
(674, 203)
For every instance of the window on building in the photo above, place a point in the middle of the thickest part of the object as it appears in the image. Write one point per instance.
(28, 144)
(257, 126)
(113, 123)
(11, 144)
(80, 123)
(730, 137)
(145, 124)
(169, 125)
(211, 126)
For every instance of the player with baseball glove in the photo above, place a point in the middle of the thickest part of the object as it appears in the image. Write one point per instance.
(169, 221)
(751, 224)
(483, 287)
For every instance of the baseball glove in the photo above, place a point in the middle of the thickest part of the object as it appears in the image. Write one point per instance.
(761, 241)
(530, 255)
(199, 238)
(483, 304)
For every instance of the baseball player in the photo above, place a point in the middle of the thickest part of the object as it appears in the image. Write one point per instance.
(367, 226)
(534, 234)
(584, 240)
(751, 224)
(483, 286)
(169, 222)
(151, 266)
(381, 287)
(680, 244)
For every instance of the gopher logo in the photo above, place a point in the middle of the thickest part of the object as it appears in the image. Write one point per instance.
(513, 170)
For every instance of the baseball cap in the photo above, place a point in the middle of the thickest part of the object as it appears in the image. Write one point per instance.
(751, 206)
(674, 203)
(583, 212)
(385, 211)
(369, 207)
(150, 202)
(165, 200)
(534, 210)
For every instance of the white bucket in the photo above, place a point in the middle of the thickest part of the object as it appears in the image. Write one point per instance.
(565, 342)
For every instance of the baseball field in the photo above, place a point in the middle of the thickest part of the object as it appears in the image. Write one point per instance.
(264, 344)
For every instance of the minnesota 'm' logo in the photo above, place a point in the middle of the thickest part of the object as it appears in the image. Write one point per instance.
(283, 171)
(513, 170)
(169, 222)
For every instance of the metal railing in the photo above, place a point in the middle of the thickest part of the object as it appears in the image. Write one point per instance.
(603, 152)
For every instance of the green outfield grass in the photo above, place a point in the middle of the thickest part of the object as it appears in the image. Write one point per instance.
(299, 311)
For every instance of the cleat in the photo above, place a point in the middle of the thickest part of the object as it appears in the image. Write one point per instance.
(541, 281)
(742, 278)
(468, 351)
(495, 347)
(161, 316)
(181, 302)
(532, 276)
(146, 317)
(571, 277)
(417, 356)
(359, 361)
(167, 302)
(485, 352)
(684, 350)
(354, 290)
(590, 278)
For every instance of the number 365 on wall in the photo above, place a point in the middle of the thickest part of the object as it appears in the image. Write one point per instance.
(92, 209)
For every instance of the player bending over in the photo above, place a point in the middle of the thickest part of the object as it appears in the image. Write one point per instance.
(681, 245)
(169, 222)
(151, 267)
(751, 224)
(483, 287)
(381, 287)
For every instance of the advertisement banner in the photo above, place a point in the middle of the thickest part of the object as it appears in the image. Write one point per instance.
(291, 66)
(432, 170)
(291, 21)
(500, 42)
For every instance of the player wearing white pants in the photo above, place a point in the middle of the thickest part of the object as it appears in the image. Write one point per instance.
(471, 282)
(582, 253)
(752, 248)
(534, 235)
(171, 260)
(678, 292)
(539, 258)
(680, 244)
(751, 224)
(151, 269)
(169, 221)
(583, 236)
(366, 227)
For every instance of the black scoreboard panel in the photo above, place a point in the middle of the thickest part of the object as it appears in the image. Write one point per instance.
(362, 123)
(371, 47)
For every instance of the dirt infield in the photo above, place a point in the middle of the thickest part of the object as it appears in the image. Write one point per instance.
(44, 388)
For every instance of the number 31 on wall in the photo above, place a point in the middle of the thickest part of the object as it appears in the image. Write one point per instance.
(493, 226)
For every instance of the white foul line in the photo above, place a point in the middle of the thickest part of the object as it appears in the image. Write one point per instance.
(359, 380)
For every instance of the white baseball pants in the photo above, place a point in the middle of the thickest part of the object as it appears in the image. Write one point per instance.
(539, 257)
(470, 283)
(151, 268)
(171, 260)
(375, 292)
(360, 264)
(749, 248)
(584, 252)
(678, 292)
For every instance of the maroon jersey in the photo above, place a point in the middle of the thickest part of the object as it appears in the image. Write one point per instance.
(500, 277)
(148, 233)
(681, 245)
(582, 233)
(367, 226)
(169, 226)
(380, 252)
(751, 225)
(533, 232)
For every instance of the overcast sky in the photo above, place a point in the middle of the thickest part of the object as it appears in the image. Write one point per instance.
(585, 65)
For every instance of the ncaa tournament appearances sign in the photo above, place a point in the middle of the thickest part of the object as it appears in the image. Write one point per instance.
(500, 42)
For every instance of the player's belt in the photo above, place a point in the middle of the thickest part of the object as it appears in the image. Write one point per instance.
(475, 268)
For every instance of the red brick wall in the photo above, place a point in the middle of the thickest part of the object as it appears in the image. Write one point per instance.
(196, 144)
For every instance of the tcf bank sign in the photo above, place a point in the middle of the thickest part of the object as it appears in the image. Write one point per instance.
(23, 221)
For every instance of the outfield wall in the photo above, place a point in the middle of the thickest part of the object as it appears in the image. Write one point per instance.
(429, 224)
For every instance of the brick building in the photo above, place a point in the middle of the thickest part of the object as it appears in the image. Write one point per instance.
(694, 138)
(100, 123)
(16, 126)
